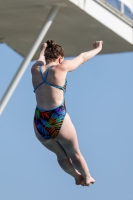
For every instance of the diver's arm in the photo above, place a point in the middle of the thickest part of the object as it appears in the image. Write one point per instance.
(41, 56)
(41, 60)
(70, 65)
(90, 54)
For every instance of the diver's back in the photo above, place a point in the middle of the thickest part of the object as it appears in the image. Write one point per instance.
(49, 83)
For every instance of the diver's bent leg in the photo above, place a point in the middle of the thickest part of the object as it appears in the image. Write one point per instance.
(62, 158)
(67, 166)
(68, 140)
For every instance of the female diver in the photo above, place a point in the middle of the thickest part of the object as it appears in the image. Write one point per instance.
(52, 124)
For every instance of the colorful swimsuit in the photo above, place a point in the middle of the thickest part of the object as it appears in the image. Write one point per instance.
(49, 122)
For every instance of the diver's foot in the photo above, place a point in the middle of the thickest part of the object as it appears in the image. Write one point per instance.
(78, 179)
(88, 180)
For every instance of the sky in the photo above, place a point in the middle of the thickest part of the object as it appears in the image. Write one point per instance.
(99, 100)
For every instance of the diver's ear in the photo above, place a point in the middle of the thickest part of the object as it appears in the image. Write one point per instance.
(60, 60)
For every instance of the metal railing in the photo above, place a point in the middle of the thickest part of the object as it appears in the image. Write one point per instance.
(121, 7)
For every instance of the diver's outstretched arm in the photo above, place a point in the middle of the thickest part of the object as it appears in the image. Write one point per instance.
(70, 65)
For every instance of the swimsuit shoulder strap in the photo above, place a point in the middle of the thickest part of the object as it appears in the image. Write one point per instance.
(47, 71)
(44, 80)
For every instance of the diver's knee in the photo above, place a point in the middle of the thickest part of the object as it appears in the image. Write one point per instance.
(62, 158)
(76, 156)
(61, 154)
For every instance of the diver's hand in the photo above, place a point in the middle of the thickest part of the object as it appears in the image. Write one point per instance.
(43, 47)
(98, 44)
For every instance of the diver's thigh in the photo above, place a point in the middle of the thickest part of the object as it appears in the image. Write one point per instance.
(51, 144)
(67, 136)
(38, 135)
(67, 131)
